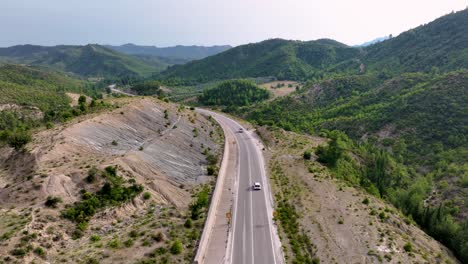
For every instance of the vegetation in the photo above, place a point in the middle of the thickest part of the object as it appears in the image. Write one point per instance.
(288, 217)
(381, 174)
(90, 60)
(201, 203)
(234, 93)
(113, 193)
(52, 201)
(37, 98)
(283, 59)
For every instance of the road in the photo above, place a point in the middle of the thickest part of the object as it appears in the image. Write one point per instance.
(253, 237)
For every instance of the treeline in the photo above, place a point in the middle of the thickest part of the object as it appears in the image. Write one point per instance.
(234, 93)
(376, 170)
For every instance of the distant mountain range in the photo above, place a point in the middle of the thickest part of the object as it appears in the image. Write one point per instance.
(94, 60)
(374, 41)
(439, 45)
(180, 54)
(89, 60)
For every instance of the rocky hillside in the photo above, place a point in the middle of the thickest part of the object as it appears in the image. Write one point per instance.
(154, 152)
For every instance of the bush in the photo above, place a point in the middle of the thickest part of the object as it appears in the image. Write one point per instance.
(19, 138)
(52, 201)
(39, 251)
(114, 143)
(92, 175)
(188, 223)
(408, 247)
(366, 201)
(307, 155)
(159, 237)
(210, 170)
(95, 238)
(19, 252)
(128, 243)
(114, 243)
(146, 195)
(176, 247)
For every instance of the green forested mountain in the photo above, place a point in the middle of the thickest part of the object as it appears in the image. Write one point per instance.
(284, 59)
(438, 46)
(441, 43)
(89, 60)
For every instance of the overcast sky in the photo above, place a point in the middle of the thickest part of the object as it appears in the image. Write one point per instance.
(210, 22)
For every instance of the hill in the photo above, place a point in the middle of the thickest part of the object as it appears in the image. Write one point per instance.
(441, 43)
(413, 126)
(122, 180)
(177, 53)
(90, 60)
(284, 59)
(30, 86)
(437, 46)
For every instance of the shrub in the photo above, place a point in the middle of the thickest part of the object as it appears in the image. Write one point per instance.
(159, 237)
(19, 138)
(146, 195)
(307, 155)
(366, 201)
(91, 175)
(52, 201)
(95, 238)
(19, 252)
(210, 170)
(408, 247)
(188, 223)
(382, 216)
(128, 243)
(114, 143)
(39, 251)
(114, 243)
(176, 247)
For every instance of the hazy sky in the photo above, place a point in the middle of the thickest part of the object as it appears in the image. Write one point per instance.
(209, 22)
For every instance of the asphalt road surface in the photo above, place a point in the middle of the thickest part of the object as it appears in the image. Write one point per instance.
(253, 233)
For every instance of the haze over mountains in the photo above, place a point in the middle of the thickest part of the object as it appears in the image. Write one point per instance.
(106, 61)
(386, 120)
(185, 53)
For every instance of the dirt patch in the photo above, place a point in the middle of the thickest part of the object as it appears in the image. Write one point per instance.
(281, 88)
(343, 224)
(74, 98)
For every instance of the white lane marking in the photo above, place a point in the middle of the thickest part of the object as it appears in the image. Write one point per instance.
(266, 190)
(235, 198)
(251, 205)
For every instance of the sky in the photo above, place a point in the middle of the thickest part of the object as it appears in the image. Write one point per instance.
(210, 22)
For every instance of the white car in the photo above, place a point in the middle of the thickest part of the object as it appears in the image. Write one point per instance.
(257, 186)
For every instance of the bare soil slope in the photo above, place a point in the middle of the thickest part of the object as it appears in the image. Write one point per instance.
(157, 144)
(343, 224)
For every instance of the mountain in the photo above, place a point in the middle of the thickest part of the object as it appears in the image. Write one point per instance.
(439, 45)
(181, 53)
(90, 60)
(374, 41)
(285, 59)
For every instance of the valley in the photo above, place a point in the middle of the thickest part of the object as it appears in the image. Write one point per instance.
(276, 151)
